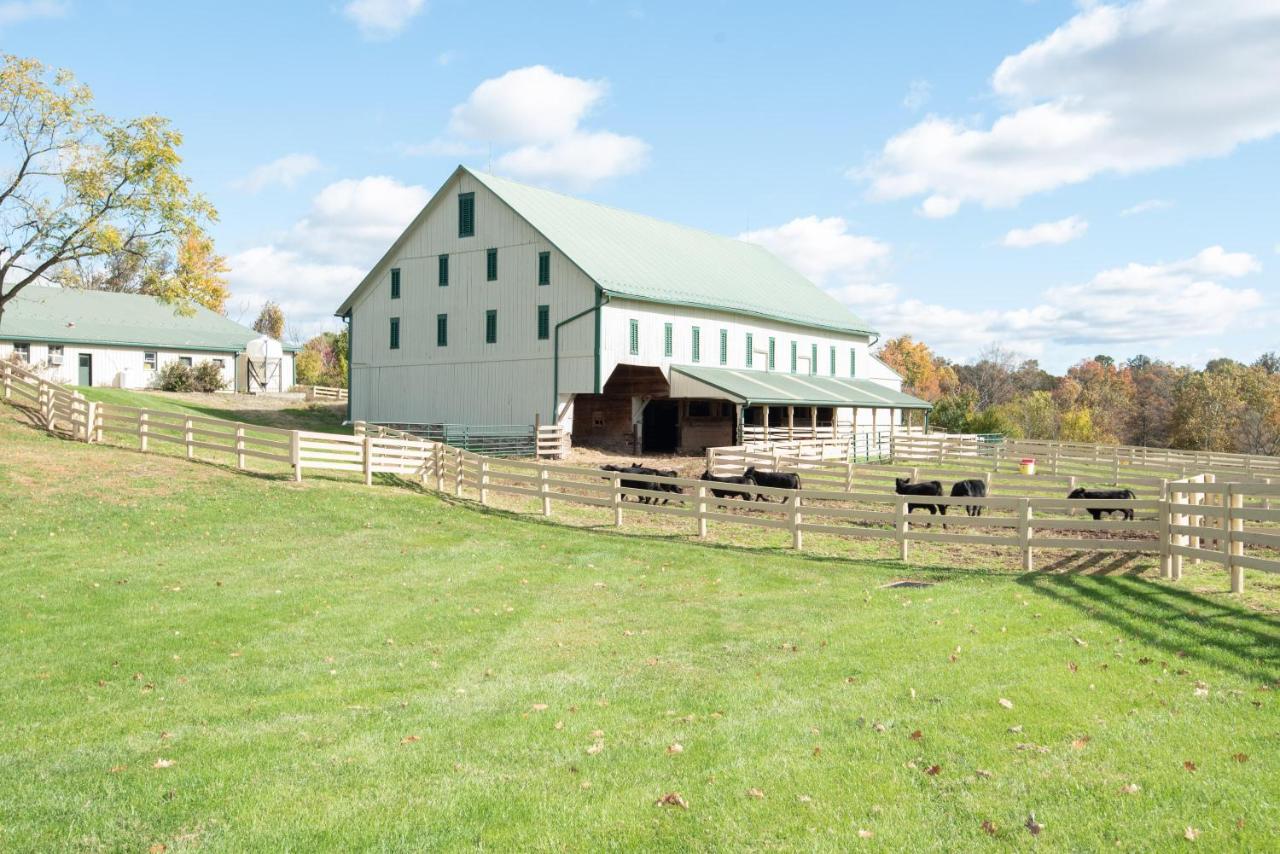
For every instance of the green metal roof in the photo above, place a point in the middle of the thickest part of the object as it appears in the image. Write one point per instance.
(776, 389)
(638, 257)
(44, 313)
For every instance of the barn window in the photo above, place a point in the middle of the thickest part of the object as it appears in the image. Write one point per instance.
(491, 265)
(699, 409)
(221, 363)
(442, 330)
(544, 322)
(668, 342)
(793, 357)
(444, 271)
(466, 214)
(395, 283)
(772, 351)
(853, 362)
(697, 344)
(833, 360)
(544, 268)
(750, 349)
(813, 360)
(724, 346)
(149, 361)
(491, 326)
(22, 350)
(395, 333)
(635, 337)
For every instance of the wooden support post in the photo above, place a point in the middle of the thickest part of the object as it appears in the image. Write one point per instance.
(617, 502)
(484, 482)
(545, 489)
(239, 447)
(903, 524)
(1235, 544)
(813, 421)
(295, 454)
(366, 459)
(702, 512)
(188, 437)
(765, 410)
(1025, 533)
(791, 423)
(797, 536)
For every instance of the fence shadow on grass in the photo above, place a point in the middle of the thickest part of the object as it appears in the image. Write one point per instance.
(1184, 624)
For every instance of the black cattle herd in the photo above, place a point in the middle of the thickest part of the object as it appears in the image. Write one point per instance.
(739, 486)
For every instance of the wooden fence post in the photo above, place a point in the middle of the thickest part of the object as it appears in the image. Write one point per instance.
(797, 535)
(187, 438)
(295, 454)
(484, 482)
(439, 465)
(848, 475)
(8, 381)
(1024, 531)
(143, 427)
(1180, 540)
(99, 422)
(90, 421)
(702, 512)
(545, 489)
(239, 447)
(457, 473)
(1166, 556)
(617, 502)
(1234, 505)
(366, 459)
(903, 525)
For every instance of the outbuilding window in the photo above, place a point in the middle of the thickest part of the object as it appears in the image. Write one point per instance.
(491, 265)
(149, 361)
(697, 344)
(55, 354)
(184, 360)
(444, 271)
(395, 283)
(544, 322)
(466, 214)
(635, 337)
(544, 268)
(442, 330)
(395, 333)
(22, 350)
(491, 326)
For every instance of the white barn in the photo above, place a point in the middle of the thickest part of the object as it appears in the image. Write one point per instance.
(99, 338)
(505, 304)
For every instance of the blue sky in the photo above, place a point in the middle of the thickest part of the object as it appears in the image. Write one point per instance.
(1055, 178)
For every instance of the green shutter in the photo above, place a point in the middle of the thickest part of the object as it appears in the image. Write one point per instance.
(668, 342)
(793, 357)
(751, 354)
(544, 322)
(772, 351)
(442, 330)
(395, 333)
(444, 270)
(635, 337)
(724, 346)
(544, 268)
(395, 283)
(853, 362)
(491, 326)
(813, 360)
(833, 360)
(466, 214)
(491, 265)
(697, 344)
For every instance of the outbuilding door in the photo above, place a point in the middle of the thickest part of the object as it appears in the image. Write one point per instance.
(86, 369)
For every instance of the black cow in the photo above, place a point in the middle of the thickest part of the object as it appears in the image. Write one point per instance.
(777, 479)
(969, 488)
(1118, 494)
(742, 480)
(636, 468)
(904, 486)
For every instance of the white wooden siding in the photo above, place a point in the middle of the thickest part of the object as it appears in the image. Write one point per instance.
(469, 381)
(122, 367)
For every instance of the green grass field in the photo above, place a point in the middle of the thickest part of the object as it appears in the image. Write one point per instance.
(317, 417)
(205, 660)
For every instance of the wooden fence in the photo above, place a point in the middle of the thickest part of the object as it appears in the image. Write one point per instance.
(1199, 518)
(324, 392)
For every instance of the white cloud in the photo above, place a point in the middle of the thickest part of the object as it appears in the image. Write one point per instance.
(917, 95)
(822, 250)
(283, 171)
(1116, 89)
(938, 207)
(1055, 233)
(17, 11)
(1150, 304)
(382, 19)
(312, 266)
(537, 114)
(1146, 207)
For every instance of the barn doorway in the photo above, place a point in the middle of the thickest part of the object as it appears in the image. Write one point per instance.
(661, 427)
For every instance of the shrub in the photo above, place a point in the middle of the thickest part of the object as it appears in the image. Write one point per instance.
(207, 377)
(176, 376)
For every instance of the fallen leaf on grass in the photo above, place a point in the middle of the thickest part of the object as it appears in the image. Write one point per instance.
(672, 799)
(984, 774)
(755, 793)
(1189, 765)
(1016, 728)
(917, 735)
(933, 770)
(158, 848)
(1080, 742)
(163, 763)
(1240, 757)
(116, 769)
(989, 827)
(595, 747)
(1032, 825)
(1130, 789)
(865, 834)
(1191, 834)
(559, 724)
(1080, 642)
(1008, 704)
(1072, 666)
(410, 739)
(675, 748)
(539, 707)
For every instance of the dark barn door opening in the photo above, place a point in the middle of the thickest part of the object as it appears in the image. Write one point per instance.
(661, 427)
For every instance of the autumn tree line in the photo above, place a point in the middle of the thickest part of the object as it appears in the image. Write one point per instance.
(1225, 406)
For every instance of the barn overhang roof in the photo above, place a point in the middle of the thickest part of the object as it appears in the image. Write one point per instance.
(766, 388)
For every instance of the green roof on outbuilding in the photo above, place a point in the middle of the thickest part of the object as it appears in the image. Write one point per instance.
(66, 315)
(778, 389)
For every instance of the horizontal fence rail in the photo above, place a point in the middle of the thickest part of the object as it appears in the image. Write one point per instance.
(1207, 517)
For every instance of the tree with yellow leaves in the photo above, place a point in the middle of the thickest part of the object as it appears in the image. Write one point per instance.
(923, 374)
